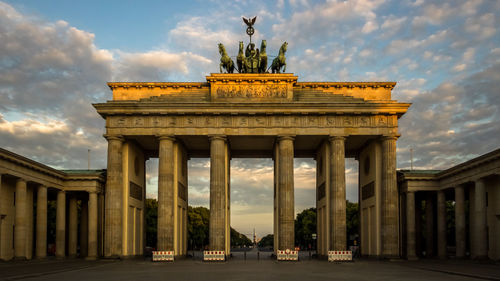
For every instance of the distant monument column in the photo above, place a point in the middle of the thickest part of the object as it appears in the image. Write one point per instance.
(41, 222)
(61, 224)
(390, 241)
(113, 205)
(166, 194)
(20, 220)
(460, 221)
(441, 224)
(286, 212)
(219, 194)
(337, 194)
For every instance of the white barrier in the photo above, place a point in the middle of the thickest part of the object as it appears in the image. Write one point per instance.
(287, 255)
(339, 255)
(163, 255)
(214, 255)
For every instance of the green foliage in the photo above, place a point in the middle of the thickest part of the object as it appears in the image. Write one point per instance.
(151, 222)
(266, 241)
(239, 240)
(305, 226)
(198, 220)
(352, 219)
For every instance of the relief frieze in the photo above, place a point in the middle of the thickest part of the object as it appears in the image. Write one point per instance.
(251, 91)
(254, 121)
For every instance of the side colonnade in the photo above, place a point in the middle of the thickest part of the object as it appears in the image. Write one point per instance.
(461, 217)
(26, 188)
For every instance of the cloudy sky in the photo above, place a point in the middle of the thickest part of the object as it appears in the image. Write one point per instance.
(56, 57)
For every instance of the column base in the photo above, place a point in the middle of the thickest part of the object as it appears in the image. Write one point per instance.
(90, 258)
(20, 259)
(412, 258)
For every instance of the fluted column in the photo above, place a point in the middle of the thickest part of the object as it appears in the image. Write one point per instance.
(429, 224)
(390, 233)
(410, 226)
(61, 224)
(41, 222)
(92, 233)
(338, 231)
(480, 237)
(460, 221)
(441, 224)
(72, 227)
(114, 199)
(20, 220)
(218, 194)
(84, 229)
(166, 194)
(286, 214)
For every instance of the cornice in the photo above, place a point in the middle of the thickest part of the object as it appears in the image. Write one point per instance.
(161, 85)
(338, 85)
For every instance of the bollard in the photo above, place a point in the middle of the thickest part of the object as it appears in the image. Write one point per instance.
(310, 254)
(258, 255)
(245, 254)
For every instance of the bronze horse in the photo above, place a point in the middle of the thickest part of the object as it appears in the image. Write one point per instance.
(280, 60)
(225, 61)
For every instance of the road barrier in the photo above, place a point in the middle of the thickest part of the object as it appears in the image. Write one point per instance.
(214, 255)
(163, 255)
(339, 255)
(287, 255)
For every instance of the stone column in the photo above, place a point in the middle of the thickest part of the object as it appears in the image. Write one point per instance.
(84, 229)
(166, 194)
(41, 222)
(429, 224)
(20, 220)
(217, 233)
(390, 234)
(480, 237)
(72, 227)
(337, 194)
(92, 233)
(286, 213)
(114, 199)
(61, 224)
(410, 226)
(441, 224)
(459, 221)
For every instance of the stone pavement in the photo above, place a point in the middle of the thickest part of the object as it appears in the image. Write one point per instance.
(251, 269)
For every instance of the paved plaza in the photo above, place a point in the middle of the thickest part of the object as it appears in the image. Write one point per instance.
(250, 269)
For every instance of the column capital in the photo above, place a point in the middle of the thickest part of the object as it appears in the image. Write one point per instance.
(113, 137)
(217, 137)
(286, 137)
(21, 180)
(41, 186)
(166, 137)
(339, 137)
(390, 137)
(61, 191)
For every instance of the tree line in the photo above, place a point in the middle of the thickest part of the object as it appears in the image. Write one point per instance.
(198, 219)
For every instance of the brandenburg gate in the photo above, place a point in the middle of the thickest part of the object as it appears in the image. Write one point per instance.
(251, 115)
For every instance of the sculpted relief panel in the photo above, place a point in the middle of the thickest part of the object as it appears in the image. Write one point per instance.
(253, 121)
(251, 91)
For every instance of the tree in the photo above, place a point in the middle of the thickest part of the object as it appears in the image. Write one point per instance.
(239, 240)
(352, 219)
(198, 222)
(151, 222)
(266, 241)
(305, 226)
